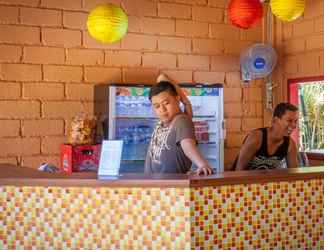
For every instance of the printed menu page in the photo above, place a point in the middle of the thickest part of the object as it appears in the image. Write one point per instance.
(110, 158)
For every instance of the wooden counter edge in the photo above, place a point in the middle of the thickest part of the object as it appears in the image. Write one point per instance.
(11, 175)
(259, 176)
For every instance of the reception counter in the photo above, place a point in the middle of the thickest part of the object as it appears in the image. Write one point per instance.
(277, 209)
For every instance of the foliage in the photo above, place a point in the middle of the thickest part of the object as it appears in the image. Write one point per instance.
(311, 122)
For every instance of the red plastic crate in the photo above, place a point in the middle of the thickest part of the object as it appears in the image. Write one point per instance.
(80, 158)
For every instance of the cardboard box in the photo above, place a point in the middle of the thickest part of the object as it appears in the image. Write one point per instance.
(80, 158)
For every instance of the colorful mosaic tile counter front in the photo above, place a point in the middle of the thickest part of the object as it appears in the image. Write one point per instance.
(254, 210)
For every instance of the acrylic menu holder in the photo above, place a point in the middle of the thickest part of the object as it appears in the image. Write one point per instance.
(110, 159)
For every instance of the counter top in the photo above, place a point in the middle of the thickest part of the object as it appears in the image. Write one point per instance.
(22, 176)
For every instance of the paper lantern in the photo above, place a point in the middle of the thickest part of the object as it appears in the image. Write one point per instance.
(244, 13)
(287, 10)
(107, 23)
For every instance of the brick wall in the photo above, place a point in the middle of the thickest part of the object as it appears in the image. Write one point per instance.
(49, 65)
(301, 46)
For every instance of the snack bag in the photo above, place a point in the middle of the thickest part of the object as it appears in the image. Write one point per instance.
(82, 130)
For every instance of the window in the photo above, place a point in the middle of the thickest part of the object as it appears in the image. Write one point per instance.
(308, 95)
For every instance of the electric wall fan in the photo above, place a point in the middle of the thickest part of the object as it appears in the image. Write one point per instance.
(257, 61)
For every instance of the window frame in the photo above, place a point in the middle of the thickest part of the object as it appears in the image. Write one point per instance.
(292, 94)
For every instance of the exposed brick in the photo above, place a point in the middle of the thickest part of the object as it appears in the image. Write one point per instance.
(62, 73)
(191, 28)
(79, 92)
(174, 44)
(8, 15)
(209, 77)
(19, 35)
(225, 63)
(232, 95)
(291, 65)
(218, 3)
(44, 55)
(314, 9)
(233, 79)
(139, 75)
(65, 109)
(234, 140)
(42, 127)
(21, 72)
(51, 145)
(62, 4)
(9, 160)
(75, 20)
(61, 37)
(303, 28)
(321, 61)
(91, 4)
(9, 53)
(123, 58)
(294, 46)
(90, 42)
(102, 75)
(180, 76)
(166, 26)
(287, 31)
(253, 34)
(139, 42)
(319, 24)
(10, 90)
(19, 146)
(178, 11)
(9, 128)
(208, 46)
(19, 109)
(309, 64)
(85, 57)
(193, 62)
(159, 60)
(40, 17)
(134, 24)
(237, 47)
(36, 160)
(43, 91)
(21, 2)
(251, 123)
(314, 42)
(224, 31)
(140, 7)
(233, 124)
(207, 14)
(253, 94)
(232, 110)
(252, 109)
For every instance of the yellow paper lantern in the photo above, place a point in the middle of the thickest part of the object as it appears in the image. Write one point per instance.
(107, 23)
(287, 10)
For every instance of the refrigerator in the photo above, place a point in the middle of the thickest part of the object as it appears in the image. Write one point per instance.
(131, 118)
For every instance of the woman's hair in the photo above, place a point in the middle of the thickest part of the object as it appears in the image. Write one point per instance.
(161, 87)
(281, 109)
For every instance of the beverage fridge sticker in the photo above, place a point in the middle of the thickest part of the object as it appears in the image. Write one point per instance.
(201, 91)
(110, 158)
